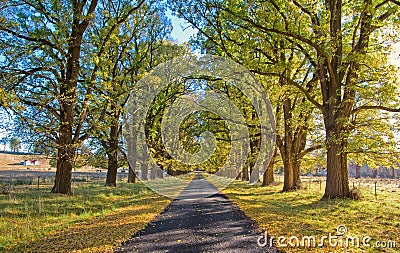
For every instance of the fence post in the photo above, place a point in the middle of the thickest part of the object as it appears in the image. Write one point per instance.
(38, 185)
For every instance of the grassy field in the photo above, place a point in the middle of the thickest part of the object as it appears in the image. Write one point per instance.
(98, 219)
(12, 161)
(303, 213)
(95, 219)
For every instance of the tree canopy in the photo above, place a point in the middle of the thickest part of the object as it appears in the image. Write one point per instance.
(69, 67)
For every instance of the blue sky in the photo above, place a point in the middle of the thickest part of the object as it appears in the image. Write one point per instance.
(181, 30)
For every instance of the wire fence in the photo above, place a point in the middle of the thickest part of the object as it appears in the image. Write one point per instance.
(38, 180)
(379, 186)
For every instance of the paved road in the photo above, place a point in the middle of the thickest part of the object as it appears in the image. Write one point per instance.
(193, 224)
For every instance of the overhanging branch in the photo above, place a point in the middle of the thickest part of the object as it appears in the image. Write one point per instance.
(375, 107)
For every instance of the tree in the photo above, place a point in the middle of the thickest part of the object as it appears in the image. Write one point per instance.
(125, 60)
(268, 177)
(346, 47)
(271, 58)
(42, 146)
(50, 70)
(340, 53)
(164, 99)
(15, 144)
(373, 142)
(148, 48)
(4, 141)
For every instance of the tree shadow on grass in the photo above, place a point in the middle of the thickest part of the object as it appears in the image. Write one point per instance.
(98, 234)
(294, 209)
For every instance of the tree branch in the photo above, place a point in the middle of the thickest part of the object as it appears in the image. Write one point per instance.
(38, 40)
(395, 2)
(291, 82)
(310, 149)
(375, 107)
(83, 113)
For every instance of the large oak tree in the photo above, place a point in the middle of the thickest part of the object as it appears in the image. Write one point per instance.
(48, 67)
(345, 43)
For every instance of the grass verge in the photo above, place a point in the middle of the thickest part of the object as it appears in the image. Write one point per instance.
(94, 219)
(299, 214)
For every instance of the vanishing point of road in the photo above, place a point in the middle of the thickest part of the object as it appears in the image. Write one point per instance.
(198, 222)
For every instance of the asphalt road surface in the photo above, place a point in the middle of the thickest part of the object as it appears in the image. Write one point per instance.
(194, 223)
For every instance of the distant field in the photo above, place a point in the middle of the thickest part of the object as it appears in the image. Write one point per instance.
(12, 161)
(12, 173)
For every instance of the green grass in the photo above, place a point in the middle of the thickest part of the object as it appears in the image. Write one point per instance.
(94, 219)
(303, 213)
(97, 219)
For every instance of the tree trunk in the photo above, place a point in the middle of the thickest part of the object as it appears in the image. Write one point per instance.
(392, 173)
(112, 154)
(112, 170)
(374, 173)
(339, 96)
(65, 158)
(144, 169)
(67, 102)
(62, 183)
(245, 172)
(254, 173)
(170, 171)
(337, 180)
(131, 174)
(268, 177)
(159, 172)
(66, 150)
(132, 156)
(358, 171)
(288, 179)
(291, 170)
(232, 168)
(152, 172)
(292, 144)
(296, 175)
(255, 151)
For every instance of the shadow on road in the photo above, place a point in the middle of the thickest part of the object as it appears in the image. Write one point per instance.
(198, 222)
